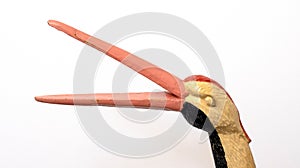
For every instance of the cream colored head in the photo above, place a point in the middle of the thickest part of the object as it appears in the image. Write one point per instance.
(213, 100)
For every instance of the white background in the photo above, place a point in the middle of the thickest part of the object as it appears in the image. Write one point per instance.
(257, 42)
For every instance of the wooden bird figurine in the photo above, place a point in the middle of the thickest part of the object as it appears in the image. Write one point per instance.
(202, 101)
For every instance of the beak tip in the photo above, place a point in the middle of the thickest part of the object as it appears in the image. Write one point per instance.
(38, 98)
(54, 24)
(50, 22)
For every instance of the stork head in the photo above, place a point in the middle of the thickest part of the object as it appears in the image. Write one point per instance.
(199, 91)
(211, 99)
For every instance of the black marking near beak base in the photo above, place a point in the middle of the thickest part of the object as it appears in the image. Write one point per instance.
(198, 119)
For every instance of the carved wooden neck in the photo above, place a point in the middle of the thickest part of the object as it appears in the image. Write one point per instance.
(229, 150)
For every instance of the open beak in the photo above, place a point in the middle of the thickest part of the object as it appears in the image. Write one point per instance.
(171, 100)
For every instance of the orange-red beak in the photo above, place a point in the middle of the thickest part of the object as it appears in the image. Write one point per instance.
(171, 100)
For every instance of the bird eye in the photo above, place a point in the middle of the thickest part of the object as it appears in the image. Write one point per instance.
(210, 101)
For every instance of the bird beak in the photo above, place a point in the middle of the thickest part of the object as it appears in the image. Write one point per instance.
(171, 100)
